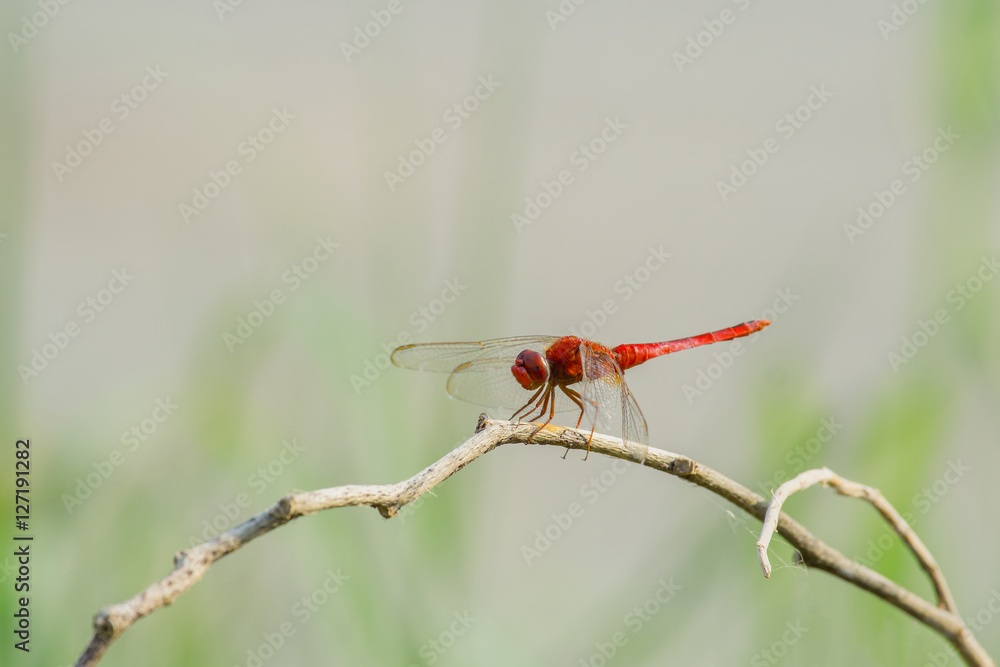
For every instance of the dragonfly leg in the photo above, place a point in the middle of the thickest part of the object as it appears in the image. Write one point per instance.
(527, 405)
(550, 403)
(576, 398)
(542, 405)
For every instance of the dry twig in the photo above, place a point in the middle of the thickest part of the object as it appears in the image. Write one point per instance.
(845, 487)
(110, 622)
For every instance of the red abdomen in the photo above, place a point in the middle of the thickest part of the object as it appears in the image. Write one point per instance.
(631, 355)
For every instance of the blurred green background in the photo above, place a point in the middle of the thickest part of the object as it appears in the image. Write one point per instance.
(306, 400)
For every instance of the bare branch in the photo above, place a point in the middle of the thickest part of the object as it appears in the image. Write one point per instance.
(110, 622)
(846, 487)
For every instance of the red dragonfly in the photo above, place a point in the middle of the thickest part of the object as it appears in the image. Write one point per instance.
(534, 375)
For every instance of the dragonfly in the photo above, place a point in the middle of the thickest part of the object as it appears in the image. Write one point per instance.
(538, 376)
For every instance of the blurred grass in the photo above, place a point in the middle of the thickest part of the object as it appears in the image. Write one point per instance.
(407, 578)
(962, 219)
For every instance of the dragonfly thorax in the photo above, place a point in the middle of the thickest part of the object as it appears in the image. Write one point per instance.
(530, 369)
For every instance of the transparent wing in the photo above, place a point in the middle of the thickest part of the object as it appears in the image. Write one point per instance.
(489, 382)
(446, 357)
(635, 433)
(607, 397)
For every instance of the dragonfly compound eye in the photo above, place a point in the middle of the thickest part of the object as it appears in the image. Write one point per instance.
(530, 369)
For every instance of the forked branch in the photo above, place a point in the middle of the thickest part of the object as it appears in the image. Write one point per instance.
(846, 487)
(110, 622)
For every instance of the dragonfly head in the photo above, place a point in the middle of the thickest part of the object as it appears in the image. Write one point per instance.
(530, 369)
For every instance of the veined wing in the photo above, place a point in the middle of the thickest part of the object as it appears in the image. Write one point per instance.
(606, 396)
(635, 432)
(489, 382)
(446, 357)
